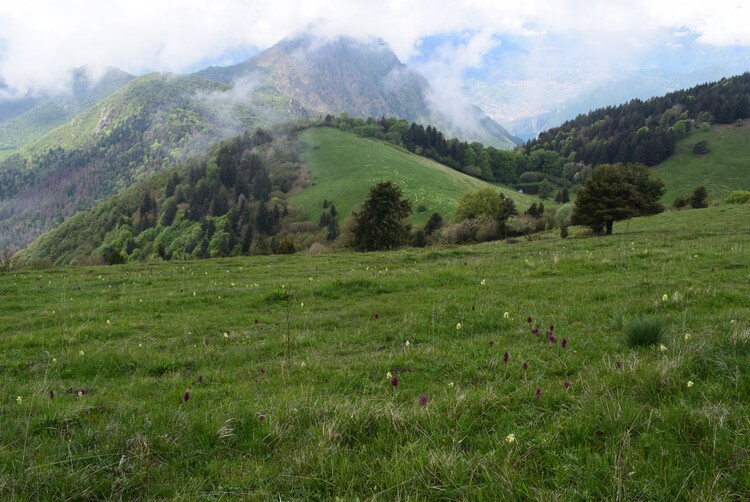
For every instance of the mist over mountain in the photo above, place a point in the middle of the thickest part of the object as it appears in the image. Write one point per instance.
(363, 78)
(26, 118)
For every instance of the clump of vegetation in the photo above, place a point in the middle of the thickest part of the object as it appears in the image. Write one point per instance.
(738, 197)
(380, 224)
(644, 331)
(700, 148)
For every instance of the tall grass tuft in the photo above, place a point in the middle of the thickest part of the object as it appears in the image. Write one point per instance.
(644, 331)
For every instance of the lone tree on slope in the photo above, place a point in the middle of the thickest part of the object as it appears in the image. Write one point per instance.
(380, 222)
(616, 192)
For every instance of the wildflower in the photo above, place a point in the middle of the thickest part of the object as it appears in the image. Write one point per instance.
(525, 365)
(81, 353)
(394, 382)
(54, 360)
(528, 319)
(732, 321)
(302, 304)
(564, 343)
(186, 396)
(687, 336)
(506, 315)
(52, 394)
(551, 328)
(262, 371)
(302, 364)
(473, 308)
(662, 348)
(506, 356)
(690, 383)
(388, 375)
(553, 339)
(538, 393)
(423, 399)
(261, 416)
(376, 315)
(108, 322)
(618, 365)
(19, 400)
(510, 438)
(200, 378)
(483, 282)
(450, 385)
(458, 326)
(408, 343)
(226, 335)
(492, 342)
(535, 331)
(664, 297)
(566, 384)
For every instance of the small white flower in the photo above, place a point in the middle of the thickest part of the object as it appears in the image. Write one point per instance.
(226, 335)
(687, 336)
(302, 364)
(450, 385)
(81, 353)
(690, 383)
(408, 343)
(108, 321)
(19, 399)
(458, 326)
(389, 375)
(664, 298)
(483, 282)
(662, 348)
(510, 438)
(506, 315)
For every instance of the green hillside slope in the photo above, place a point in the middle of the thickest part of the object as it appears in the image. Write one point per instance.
(726, 166)
(272, 377)
(342, 167)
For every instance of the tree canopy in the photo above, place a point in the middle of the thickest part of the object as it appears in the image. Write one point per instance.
(616, 192)
(380, 223)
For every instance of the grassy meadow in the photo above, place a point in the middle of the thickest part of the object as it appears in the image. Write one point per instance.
(723, 169)
(342, 167)
(272, 377)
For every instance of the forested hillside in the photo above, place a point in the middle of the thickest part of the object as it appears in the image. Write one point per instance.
(646, 131)
(226, 201)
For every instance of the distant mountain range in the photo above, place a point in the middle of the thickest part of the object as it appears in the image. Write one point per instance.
(63, 154)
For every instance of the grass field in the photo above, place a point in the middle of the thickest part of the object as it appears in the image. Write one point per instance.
(268, 377)
(6, 153)
(725, 168)
(338, 163)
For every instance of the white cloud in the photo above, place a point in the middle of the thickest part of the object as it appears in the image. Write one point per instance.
(41, 39)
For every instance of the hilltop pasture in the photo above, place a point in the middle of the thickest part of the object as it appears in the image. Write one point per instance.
(412, 374)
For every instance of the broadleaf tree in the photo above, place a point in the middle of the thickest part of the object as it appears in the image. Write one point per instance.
(615, 192)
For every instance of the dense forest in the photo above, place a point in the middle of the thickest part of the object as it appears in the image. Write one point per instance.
(227, 201)
(646, 131)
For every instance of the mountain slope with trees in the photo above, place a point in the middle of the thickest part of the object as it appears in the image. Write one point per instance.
(646, 131)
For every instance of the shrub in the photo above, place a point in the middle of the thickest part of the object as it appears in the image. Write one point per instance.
(738, 197)
(645, 331)
(700, 148)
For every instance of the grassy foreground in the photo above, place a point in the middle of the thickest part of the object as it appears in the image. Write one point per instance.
(266, 377)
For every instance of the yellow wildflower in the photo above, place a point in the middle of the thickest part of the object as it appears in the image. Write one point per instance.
(510, 438)
(458, 326)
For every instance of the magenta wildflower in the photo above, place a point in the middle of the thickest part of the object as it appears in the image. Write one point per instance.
(535, 331)
(394, 382)
(618, 365)
(473, 308)
(528, 319)
(492, 342)
(525, 365)
(200, 378)
(552, 327)
(423, 399)
(186, 396)
(262, 371)
(538, 393)
(564, 343)
(376, 315)
(553, 339)
(52, 394)
(506, 356)
(566, 384)
(261, 416)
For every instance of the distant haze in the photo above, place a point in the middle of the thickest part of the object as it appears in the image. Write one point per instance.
(513, 58)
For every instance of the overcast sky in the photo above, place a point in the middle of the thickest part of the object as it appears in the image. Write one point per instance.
(41, 39)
